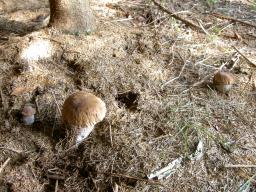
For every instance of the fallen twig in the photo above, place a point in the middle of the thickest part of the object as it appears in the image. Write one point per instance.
(10, 149)
(137, 178)
(248, 60)
(201, 81)
(240, 166)
(221, 16)
(5, 164)
(110, 134)
(55, 177)
(56, 185)
(187, 22)
(4, 38)
(37, 106)
(202, 27)
(4, 103)
(181, 71)
(247, 184)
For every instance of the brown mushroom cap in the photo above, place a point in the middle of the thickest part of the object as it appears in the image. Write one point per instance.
(82, 109)
(28, 110)
(223, 78)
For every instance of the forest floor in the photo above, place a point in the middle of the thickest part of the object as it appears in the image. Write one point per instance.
(154, 71)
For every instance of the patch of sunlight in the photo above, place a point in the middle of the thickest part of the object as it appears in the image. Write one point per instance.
(37, 49)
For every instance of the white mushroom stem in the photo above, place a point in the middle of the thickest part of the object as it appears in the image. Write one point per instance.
(224, 88)
(83, 134)
(28, 120)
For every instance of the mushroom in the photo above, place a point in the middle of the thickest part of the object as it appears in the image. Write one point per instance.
(28, 114)
(81, 111)
(223, 81)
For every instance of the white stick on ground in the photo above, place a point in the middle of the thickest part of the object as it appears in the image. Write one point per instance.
(240, 166)
(4, 165)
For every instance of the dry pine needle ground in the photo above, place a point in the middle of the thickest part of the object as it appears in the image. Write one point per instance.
(145, 70)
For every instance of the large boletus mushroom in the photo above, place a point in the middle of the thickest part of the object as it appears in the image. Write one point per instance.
(81, 111)
(223, 81)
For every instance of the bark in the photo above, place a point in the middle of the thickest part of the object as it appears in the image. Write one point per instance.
(71, 16)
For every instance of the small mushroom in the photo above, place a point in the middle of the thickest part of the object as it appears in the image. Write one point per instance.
(81, 111)
(28, 114)
(223, 81)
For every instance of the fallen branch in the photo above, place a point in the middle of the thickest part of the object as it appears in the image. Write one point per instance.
(218, 15)
(187, 22)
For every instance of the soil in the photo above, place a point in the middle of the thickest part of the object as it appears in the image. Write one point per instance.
(154, 72)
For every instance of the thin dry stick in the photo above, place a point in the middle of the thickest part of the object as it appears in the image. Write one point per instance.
(75, 146)
(4, 165)
(221, 16)
(202, 27)
(137, 178)
(248, 60)
(247, 182)
(240, 166)
(54, 124)
(165, 136)
(110, 134)
(248, 82)
(58, 107)
(189, 23)
(56, 185)
(55, 177)
(37, 106)
(10, 149)
(254, 85)
(3, 99)
(252, 35)
(235, 61)
(173, 79)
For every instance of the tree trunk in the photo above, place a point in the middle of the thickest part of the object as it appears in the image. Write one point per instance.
(74, 16)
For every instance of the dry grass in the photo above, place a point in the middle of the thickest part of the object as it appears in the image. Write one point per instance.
(153, 116)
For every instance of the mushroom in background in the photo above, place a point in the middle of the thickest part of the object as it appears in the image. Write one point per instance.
(81, 111)
(223, 81)
(28, 114)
